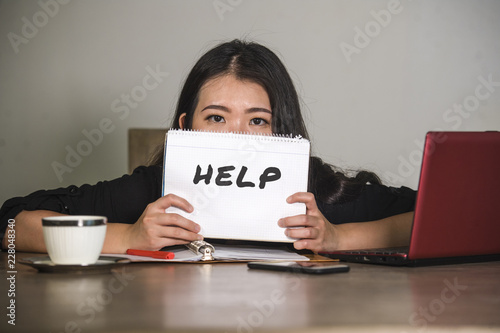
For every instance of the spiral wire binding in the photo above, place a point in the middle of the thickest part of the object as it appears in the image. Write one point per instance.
(258, 136)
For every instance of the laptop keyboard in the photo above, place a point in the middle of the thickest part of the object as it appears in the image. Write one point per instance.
(389, 256)
(385, 251)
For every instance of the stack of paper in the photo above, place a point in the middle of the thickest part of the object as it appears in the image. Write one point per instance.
(226, 253)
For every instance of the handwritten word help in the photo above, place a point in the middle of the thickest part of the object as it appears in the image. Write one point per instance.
(223, 177)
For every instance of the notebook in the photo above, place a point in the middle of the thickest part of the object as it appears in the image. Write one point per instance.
(457, 215)
(204, 252)
(237, 183)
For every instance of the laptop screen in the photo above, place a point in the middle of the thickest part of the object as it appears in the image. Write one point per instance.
(457, 211)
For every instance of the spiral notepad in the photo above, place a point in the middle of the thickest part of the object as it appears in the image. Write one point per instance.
(237, 183)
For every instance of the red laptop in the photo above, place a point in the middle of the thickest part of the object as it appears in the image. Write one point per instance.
(457, 212)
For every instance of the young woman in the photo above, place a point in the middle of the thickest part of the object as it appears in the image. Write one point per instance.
(243, 87)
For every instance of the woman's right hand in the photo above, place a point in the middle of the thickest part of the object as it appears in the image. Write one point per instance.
(156, 229)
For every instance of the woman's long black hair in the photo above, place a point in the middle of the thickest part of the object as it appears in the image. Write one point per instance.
(249, 61)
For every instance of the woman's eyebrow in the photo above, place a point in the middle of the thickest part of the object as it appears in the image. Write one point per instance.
(225, 109)
(258, 110)
(217, 107)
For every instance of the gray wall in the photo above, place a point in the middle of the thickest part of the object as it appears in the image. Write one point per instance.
(374, 77)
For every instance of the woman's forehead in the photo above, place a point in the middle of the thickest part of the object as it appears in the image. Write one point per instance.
(229, 87)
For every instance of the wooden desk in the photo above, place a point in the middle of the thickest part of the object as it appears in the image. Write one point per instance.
(230, 298)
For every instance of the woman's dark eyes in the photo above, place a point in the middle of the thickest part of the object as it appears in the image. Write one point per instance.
(258, 121)
(216, 118)
(254, 121)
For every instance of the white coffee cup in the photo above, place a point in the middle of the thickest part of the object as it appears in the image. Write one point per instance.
(74, 239)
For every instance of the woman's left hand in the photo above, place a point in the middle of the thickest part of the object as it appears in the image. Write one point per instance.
(313, 231)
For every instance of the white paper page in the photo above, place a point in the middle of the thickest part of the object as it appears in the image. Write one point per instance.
(253, 253)
(253, 197)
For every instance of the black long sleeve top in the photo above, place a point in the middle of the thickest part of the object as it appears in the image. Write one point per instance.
(124, 199)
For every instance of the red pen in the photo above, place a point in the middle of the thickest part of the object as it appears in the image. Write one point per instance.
(152, 254)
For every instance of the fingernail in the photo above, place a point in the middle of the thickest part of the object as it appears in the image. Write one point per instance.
(200, 237)
(280, 222)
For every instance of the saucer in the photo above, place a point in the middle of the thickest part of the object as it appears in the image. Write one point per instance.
(103, 265)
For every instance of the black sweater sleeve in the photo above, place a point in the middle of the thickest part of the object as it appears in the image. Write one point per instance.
(120, 200)
(124, 199)
(374, 203)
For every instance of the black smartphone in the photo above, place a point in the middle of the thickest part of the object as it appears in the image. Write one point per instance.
(301, 266)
